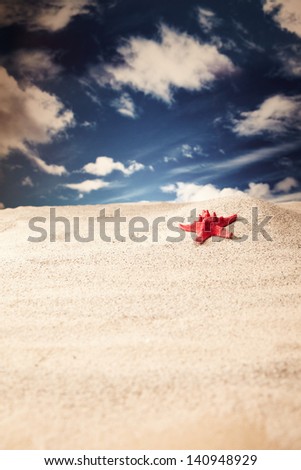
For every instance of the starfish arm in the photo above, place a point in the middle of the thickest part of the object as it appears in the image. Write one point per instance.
(224, 221)
(221, 232)
(188, 228)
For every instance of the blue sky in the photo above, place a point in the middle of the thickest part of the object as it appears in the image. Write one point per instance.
(119, 101)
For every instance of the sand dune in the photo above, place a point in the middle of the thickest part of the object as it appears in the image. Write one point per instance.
(155, 344)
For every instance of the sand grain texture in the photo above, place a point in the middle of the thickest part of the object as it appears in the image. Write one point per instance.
(155, 344)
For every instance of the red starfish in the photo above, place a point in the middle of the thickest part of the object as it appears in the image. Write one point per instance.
(208, 226)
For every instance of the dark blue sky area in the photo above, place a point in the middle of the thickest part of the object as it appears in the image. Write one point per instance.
(107, 101)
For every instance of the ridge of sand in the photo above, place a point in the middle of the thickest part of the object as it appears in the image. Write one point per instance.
(292, 205)
(153, 344)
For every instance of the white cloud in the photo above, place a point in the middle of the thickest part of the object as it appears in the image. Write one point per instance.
(87, 186)
(36, 65)
(276, 115)
(224, 43)
(57, 15)
(50, 169)
(207, 19)
(27, 181)
(105, 165)
(264, 190)
(89, 124)
(249, 44)
(240, 27)
(170, 188)
(157, 68)
(287, 13)
(189, 151)
(135, 166)
(245, 38)
(290, 60)
(125, 106)
(190, 192)
(259, 190)
(286, 185)
(235, 163)
(254, 156)
(30, 116)
(168, 159)
(90, 90)
(45, 15)
(2, 206)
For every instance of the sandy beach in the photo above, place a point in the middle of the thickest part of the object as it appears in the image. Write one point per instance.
(153, 345)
